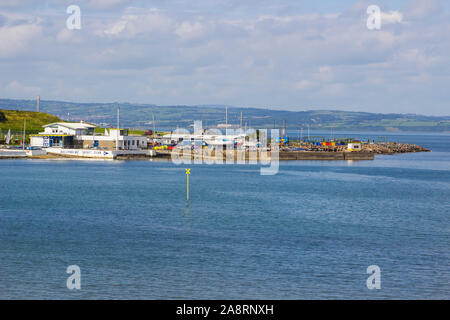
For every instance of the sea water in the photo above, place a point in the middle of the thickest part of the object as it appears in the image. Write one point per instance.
(308, 232)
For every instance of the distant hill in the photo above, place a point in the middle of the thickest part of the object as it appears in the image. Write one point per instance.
(13, 119)
(140, 116)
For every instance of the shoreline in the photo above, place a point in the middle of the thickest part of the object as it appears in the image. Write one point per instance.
(289, 153)
(283, 156)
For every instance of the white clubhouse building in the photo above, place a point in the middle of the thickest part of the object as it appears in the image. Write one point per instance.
(81, 135)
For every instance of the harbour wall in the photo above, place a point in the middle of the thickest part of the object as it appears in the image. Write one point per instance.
(11, 153)
(323, 155)
(105, 154)
(265, 156)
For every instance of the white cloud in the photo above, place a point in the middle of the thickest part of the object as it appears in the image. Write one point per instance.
(138, 21)
(420, 9)
(68, 36)
(190, 30)
(391, 17)
(17, 39)
(324, 69)
(325, 74)
(16, 89)
(103, 4)
(10, 3)
(252, 54)
(418, 58)
(119, 26)
(304, 84)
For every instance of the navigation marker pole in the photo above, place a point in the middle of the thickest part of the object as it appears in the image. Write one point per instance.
(188, 172)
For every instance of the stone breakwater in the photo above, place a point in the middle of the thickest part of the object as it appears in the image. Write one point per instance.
(376, 148)
(266, 156)
(368, 152)
(393, 147)
(325, 155)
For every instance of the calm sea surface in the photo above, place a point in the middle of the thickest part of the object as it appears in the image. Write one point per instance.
(310, 231)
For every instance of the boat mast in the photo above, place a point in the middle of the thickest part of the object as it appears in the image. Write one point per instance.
(226, 120)
(24, 128)
(240, 127)
(118, 128)
(153, 122)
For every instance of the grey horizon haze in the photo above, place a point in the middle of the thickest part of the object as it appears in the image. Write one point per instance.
(283, 55)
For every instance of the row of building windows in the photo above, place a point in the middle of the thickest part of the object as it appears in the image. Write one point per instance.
(127, 142)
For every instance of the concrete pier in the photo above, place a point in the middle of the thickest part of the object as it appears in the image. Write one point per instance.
(323, 155)
(265, 156)
(105, 154)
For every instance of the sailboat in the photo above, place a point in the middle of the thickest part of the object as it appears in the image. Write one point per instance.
(8, 137)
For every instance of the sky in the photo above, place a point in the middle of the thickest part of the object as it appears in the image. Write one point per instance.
(285, 54)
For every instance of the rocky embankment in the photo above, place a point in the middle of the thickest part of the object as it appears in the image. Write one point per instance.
(393, 147)
(375, 148)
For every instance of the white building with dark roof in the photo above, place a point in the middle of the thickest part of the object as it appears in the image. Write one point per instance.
(82, 135)
(69, 128)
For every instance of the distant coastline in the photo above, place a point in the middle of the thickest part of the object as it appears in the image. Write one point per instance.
(141, 116)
